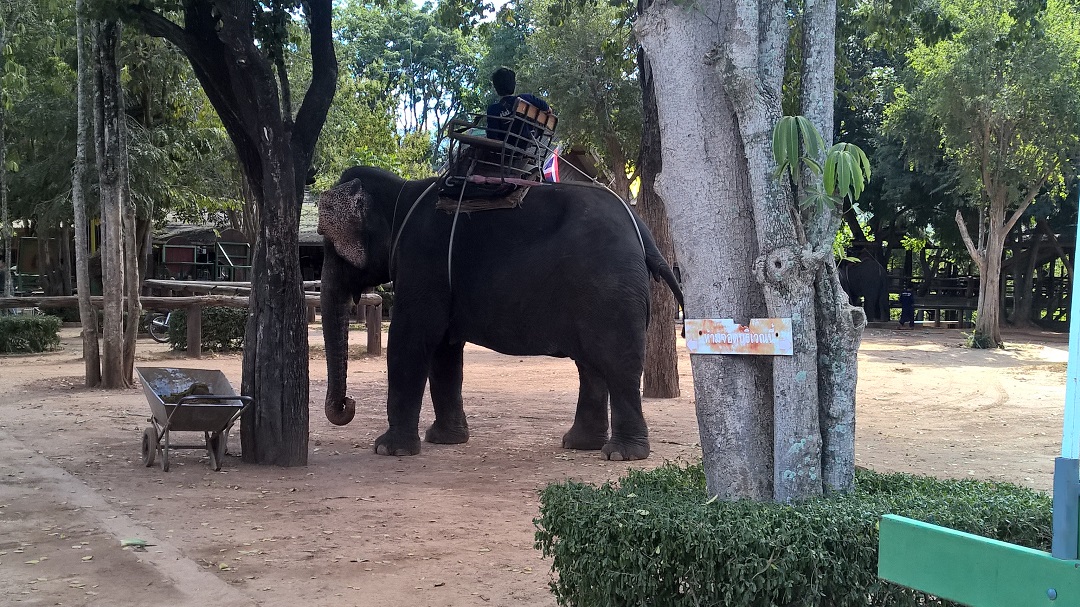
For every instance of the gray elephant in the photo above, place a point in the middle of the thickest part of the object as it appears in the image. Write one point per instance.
(867, 284)
(565, 274)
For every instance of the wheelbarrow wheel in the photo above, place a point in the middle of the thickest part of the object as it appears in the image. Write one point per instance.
(149, 446)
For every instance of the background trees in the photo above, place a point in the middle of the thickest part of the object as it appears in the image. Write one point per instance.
(1001, 96)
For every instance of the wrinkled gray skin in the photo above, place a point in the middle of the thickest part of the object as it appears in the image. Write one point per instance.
(563, 275)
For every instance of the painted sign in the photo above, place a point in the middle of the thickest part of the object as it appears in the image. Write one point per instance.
(763, 336)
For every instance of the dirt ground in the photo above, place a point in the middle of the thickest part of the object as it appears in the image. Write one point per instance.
(452, 526)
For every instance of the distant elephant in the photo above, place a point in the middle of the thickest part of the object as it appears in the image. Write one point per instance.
(867, 285)
(565, 274)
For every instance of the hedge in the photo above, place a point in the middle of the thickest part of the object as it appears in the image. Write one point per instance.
(655, 539)
(222, 329)
(23, 333)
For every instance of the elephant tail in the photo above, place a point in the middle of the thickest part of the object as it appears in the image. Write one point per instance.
(660, 270)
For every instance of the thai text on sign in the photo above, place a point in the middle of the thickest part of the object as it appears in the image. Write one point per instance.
(763, 336)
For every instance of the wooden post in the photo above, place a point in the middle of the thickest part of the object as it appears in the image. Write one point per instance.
(194, 331)
(311, 313)
(373, 319)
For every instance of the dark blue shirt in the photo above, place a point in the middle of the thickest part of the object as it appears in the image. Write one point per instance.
(499, 116)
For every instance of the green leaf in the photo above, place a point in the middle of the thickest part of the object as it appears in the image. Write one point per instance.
(811, 138)
(829, 177)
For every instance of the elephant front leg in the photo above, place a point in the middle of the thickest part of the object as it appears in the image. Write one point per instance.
(590, 429)
(407, 363)
(444, 379)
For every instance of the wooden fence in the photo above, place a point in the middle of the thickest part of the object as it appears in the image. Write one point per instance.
(193, 305)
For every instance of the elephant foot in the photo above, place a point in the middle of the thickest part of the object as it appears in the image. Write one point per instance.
(447, 434)
(625, 450)
(392, 444)
(584, 440)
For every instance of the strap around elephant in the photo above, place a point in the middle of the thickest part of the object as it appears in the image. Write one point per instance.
(397, 239)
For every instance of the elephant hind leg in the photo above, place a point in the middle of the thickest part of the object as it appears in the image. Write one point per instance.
(444, 379)
(590, 429)
(629, 432)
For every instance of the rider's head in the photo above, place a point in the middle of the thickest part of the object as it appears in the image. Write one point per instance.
(504, 80)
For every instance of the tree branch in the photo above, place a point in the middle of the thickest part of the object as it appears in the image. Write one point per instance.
(320, 93)
(153, 24)
(975, 255)
(1028, 199)
(1045, 227)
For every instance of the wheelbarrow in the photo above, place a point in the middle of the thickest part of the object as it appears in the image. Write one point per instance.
(188, 400)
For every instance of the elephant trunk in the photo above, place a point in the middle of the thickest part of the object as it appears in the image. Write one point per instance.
(335, 298)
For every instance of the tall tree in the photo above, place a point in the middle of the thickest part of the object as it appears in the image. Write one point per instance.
(748, 247)
(121, 310)
(661, 377)
(1002, 98)
(236, 50)
(87, 313)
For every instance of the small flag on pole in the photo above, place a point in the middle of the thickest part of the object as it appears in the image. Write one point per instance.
(551, 166)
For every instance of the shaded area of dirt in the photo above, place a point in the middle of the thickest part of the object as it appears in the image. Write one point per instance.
(452, 526)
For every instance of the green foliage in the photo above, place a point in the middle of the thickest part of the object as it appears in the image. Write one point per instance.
(66, 314)
(847, 170)
(797, 142)
(791, 135)
(999, 97)
(583, 59)
(359, 130)
(25, 333)
(222, 329)
(656, 539)
(421, 64)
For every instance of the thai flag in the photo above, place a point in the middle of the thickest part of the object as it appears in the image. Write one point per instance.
(551, 166)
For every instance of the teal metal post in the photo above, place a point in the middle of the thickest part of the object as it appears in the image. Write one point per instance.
(1067, 467)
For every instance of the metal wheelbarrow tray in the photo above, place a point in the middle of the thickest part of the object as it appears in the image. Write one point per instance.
(207, 403)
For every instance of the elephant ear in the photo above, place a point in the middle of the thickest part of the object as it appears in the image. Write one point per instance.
(342, 213)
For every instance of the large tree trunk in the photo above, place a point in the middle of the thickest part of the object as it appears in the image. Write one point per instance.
(661, 378)
(275, 153)
(112, 180)
(132, 307)
(714, 242)
(839, 324)
(987, 256)
(987, 332)
(5, 218)
(87, 312)
(1023, 273)
(751, 61)
(719, 70)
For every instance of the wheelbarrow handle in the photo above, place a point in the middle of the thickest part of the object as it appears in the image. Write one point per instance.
(222, 397)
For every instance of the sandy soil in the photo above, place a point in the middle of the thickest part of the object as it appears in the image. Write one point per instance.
(452, 526)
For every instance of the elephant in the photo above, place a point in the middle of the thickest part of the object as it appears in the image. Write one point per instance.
(867, 284)
(564, 274)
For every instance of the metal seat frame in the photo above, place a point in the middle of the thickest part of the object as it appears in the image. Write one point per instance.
(515, 152)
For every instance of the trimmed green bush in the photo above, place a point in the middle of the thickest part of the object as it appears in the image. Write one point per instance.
(656, 540)
(24, 333)
(222, 329)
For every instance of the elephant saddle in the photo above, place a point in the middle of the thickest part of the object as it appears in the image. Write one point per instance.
(493, 168)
